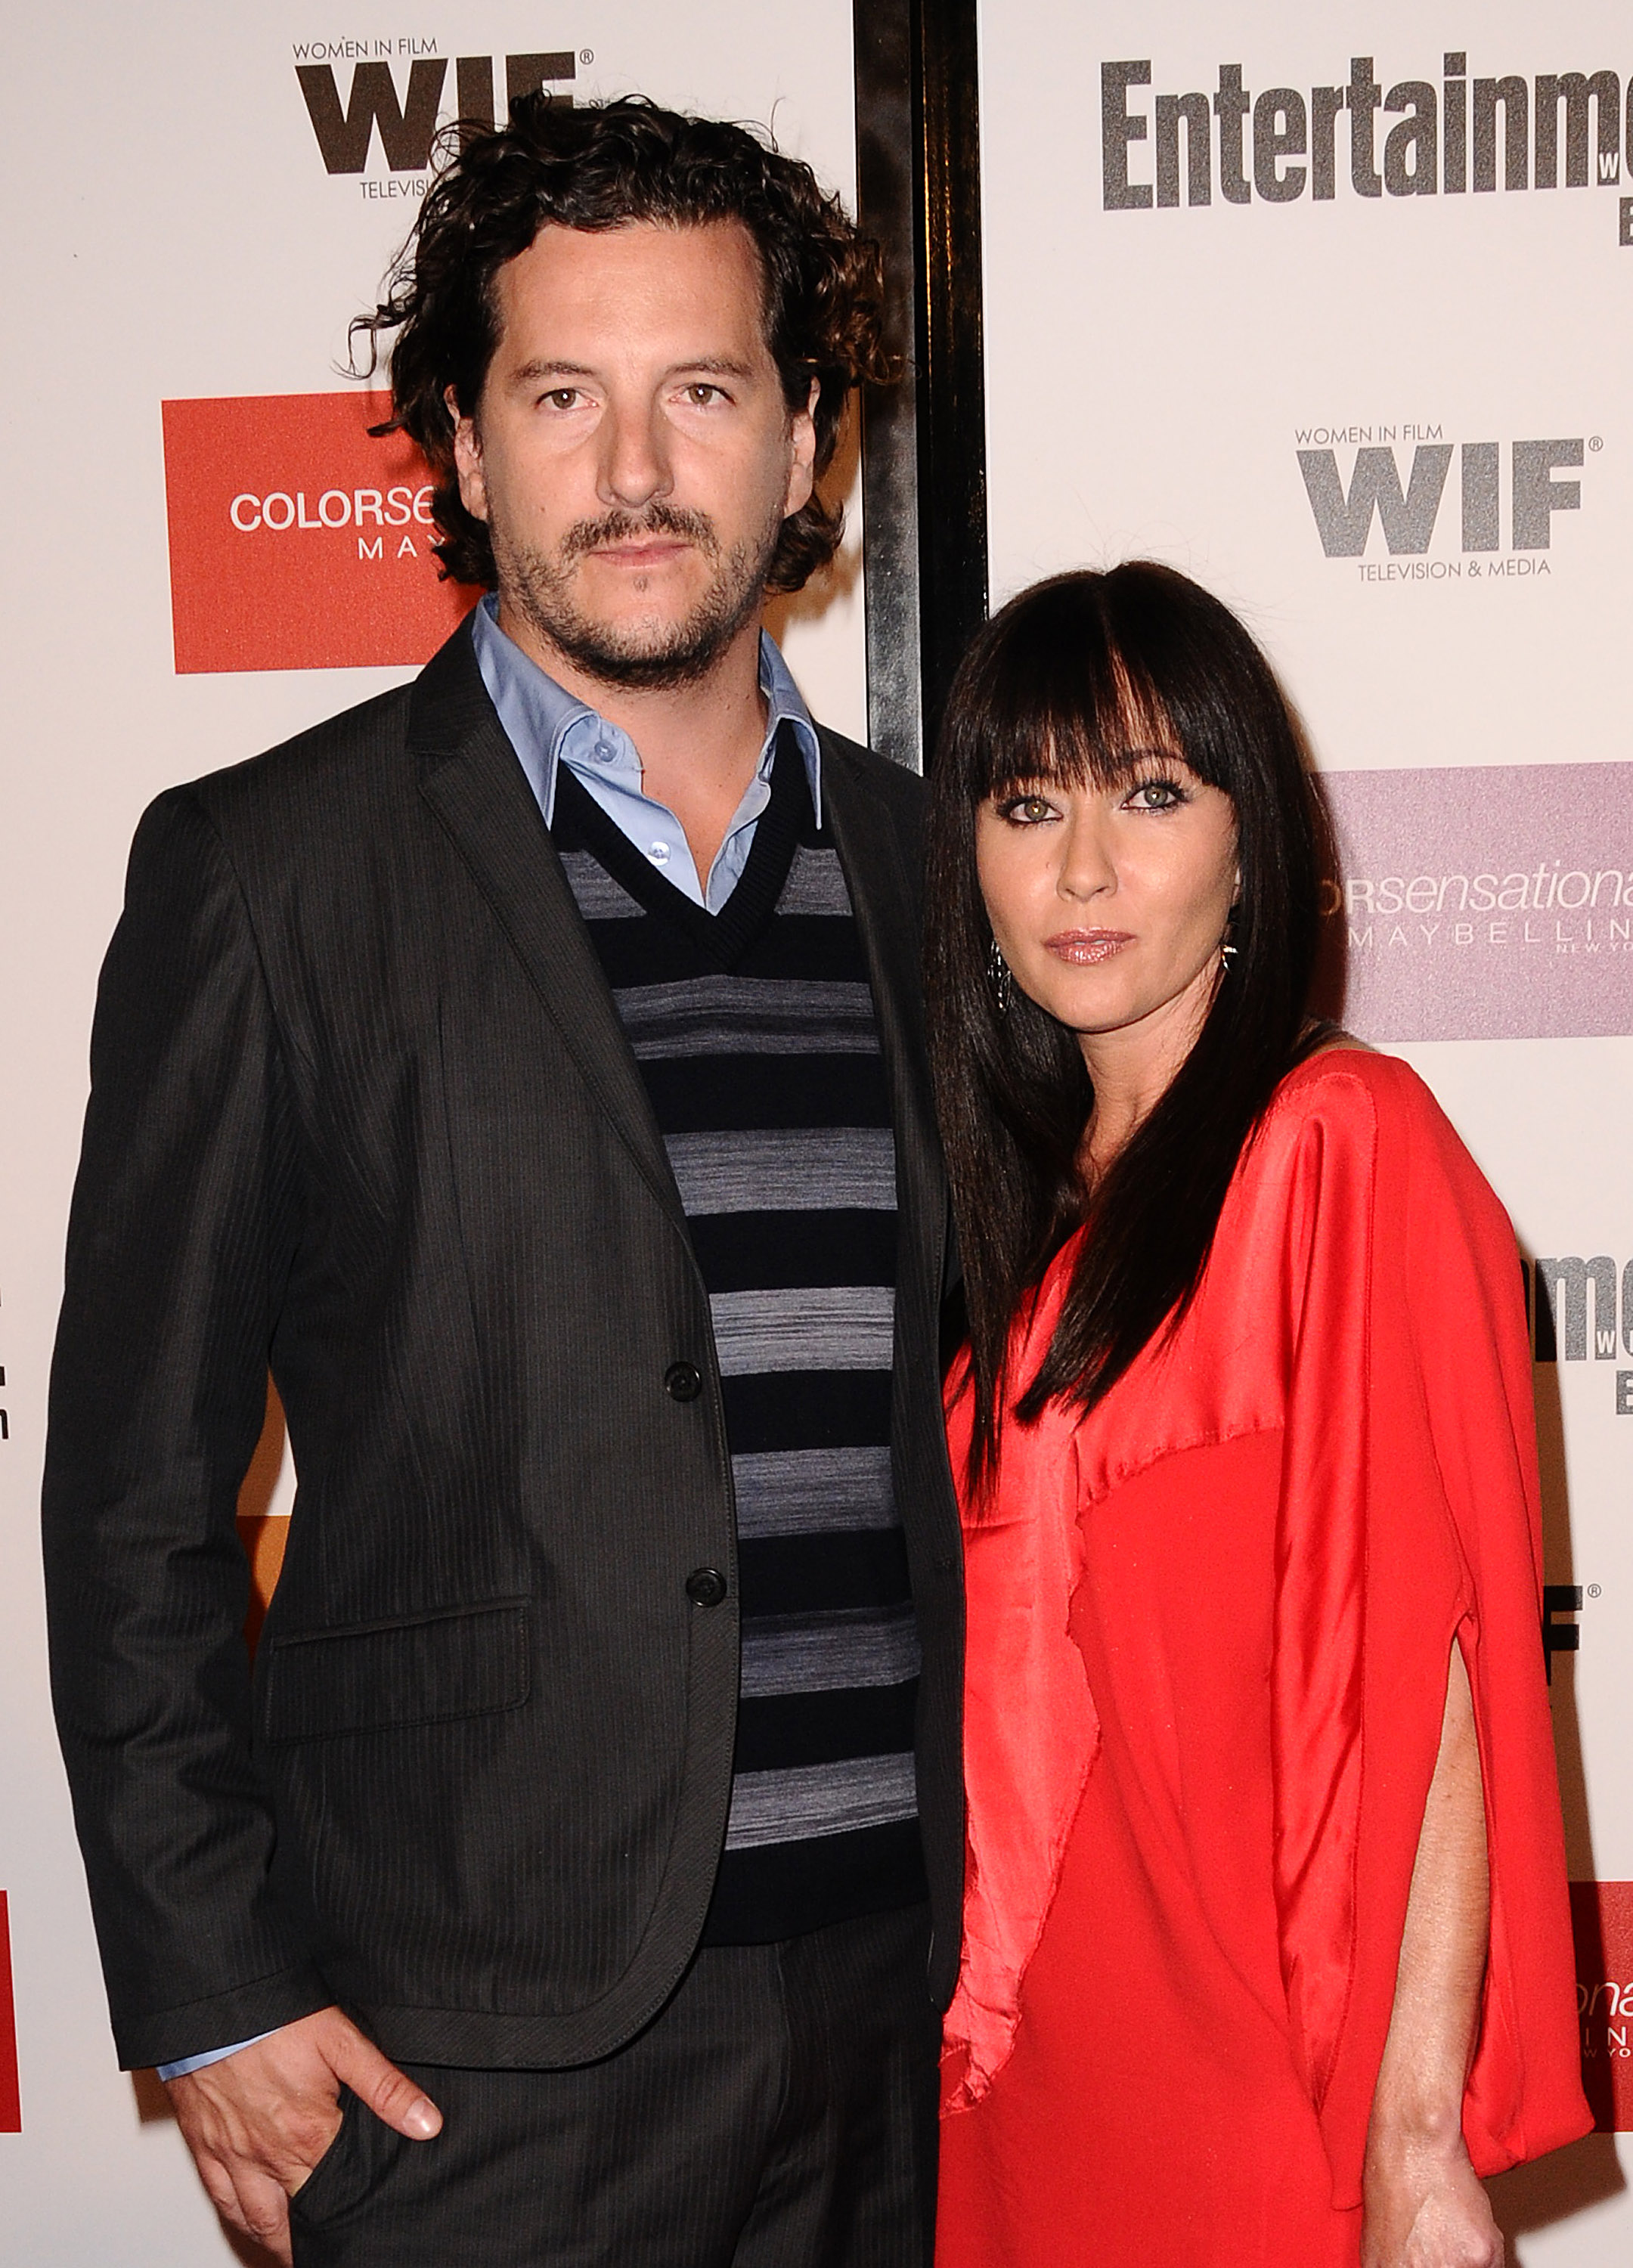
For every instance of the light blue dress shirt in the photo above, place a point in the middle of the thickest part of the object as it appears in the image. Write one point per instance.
(547, 726)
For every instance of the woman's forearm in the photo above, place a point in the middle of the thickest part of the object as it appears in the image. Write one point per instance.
(1442, 1948)
(1423, 2207)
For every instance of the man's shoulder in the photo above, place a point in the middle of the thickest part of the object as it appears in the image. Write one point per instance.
(341, 757)
(357, 757)
(865, 772)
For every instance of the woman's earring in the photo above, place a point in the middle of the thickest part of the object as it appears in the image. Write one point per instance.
(1227, 950)
(999, 975)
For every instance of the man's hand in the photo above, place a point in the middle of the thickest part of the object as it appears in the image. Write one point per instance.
(258, 2122)
(1425, 2209)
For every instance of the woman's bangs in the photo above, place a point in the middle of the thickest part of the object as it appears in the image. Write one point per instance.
(1071, 721)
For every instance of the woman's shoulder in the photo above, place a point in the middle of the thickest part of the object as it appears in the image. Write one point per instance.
(1345, 1083)
(1348, 1101)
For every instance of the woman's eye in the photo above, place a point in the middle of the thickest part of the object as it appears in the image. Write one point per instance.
(1026, 810)
(1157, 795)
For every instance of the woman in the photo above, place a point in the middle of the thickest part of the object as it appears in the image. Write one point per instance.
(1267, 1948)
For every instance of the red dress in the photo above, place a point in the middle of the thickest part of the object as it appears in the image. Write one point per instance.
(1209, 1633)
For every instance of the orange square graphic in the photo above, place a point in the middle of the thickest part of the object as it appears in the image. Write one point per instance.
(1601, 1919)
(296, 541)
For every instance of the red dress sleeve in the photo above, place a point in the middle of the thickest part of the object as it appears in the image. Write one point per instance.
(1030, 1729)
(1408, 1521)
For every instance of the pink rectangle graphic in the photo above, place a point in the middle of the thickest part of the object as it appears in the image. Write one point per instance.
(1480, 902)
(1601, 1922)
(11, 2092)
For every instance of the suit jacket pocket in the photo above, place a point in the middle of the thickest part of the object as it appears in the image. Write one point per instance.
(313, 2201)
(417, 1669)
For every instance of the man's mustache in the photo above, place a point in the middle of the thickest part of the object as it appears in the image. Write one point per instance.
(615, 528)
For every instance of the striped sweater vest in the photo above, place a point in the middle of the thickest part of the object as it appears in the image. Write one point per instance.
(754, 1033)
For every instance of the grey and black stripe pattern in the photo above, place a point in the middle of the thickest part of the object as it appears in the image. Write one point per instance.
(754, 1033)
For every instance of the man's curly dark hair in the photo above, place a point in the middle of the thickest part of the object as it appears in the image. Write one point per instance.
(597, 167)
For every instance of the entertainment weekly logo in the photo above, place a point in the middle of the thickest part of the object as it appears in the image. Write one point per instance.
(1573, 1300)
(1481, 902)
(1278, 145)
(297, 540)
(400, 96)
(1601, 1919)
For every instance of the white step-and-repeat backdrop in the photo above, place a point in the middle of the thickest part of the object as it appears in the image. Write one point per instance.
(1333, 308)
(206, 554)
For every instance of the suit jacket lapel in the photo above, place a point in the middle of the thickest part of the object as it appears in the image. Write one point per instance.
(886, 899)
(473, 782)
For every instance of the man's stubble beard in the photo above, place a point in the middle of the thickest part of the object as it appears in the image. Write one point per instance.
(653, 658)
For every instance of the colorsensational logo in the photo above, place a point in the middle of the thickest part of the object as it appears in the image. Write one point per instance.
(296, 540)
(1492, 903)
(1602, 1917)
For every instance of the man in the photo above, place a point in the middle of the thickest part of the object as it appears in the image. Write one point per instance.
(527, 1066)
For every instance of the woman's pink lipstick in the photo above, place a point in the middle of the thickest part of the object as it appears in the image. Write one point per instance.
(1084, 948)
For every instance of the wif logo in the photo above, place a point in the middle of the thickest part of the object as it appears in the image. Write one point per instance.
(1284, 143)
(403, 117)
(1409, 509)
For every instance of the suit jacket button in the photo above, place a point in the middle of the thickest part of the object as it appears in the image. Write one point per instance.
(683, 1381)
(705, 1587)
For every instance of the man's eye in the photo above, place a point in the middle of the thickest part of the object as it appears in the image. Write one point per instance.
(563, 397)
(701, 395)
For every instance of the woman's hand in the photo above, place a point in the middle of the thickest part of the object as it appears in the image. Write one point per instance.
(1424, 2208)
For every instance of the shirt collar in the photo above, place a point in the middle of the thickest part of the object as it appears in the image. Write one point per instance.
(543, 720)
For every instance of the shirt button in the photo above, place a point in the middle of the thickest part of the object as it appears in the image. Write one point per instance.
(683, 1381)
(660, 854)
(604, 752)
(705, 1587)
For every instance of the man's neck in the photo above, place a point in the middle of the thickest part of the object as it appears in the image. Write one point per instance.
(699, 743)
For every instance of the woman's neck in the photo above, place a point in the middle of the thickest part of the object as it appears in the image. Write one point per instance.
(1132, 1069)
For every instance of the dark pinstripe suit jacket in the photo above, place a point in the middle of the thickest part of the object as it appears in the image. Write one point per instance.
(362, 1109)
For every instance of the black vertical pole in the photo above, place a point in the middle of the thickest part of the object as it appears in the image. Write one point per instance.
(952, 391)
(924, 497)
(886, 204)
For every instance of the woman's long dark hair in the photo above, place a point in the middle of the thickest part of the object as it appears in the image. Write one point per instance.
(1062, 685)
